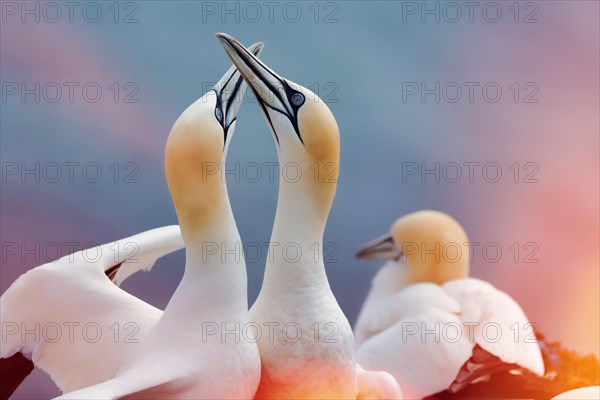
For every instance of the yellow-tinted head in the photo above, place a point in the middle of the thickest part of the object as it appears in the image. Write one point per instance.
(196, 150)
(433, 245)
(193, 157)
(308, 146)
(318, 129)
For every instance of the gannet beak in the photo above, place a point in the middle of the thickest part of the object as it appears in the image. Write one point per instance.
(230, 92)
(271, 90)
(382, 248)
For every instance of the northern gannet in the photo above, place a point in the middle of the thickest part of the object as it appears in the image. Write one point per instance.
(307, 345)
(125, 346)
(430, 325)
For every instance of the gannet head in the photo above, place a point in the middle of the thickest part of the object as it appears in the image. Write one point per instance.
(433, 245)
(304, 129)
(197, 148)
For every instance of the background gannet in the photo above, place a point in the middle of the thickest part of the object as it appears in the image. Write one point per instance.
(75, 290)
(319, 361)
(430, 325)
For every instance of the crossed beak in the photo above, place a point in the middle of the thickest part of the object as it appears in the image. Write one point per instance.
(271, 90)
(230, 91)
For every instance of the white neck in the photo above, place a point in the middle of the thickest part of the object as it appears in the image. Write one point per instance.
(390, 278)
(214, 284)
(295, 256)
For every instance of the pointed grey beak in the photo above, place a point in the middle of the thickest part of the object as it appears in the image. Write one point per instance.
(382, 248)
(230, 91)
(271, 90)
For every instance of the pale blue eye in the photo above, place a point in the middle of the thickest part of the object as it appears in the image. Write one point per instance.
(297, 99)
(219, 114)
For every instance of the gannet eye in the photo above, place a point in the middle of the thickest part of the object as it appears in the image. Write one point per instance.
(297, 99)
(219, 114)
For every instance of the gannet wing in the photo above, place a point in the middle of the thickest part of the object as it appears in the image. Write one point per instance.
(422, 352)
(147, 248)
(411, 301)
(498, 326)
(72, 321)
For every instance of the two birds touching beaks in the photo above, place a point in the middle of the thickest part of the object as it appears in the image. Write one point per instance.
(294, 342)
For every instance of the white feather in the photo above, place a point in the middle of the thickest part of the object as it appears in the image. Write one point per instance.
(392, 328)
(585, 393)
(415, 352)
(99, 324)
(501, 327)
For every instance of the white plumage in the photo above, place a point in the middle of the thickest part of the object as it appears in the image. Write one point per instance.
(586, 393)
(85, 328)
(423, 332)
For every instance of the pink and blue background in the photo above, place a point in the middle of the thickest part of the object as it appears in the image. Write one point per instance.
(358, 64)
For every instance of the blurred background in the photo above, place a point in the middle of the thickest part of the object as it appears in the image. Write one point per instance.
(488, 112)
